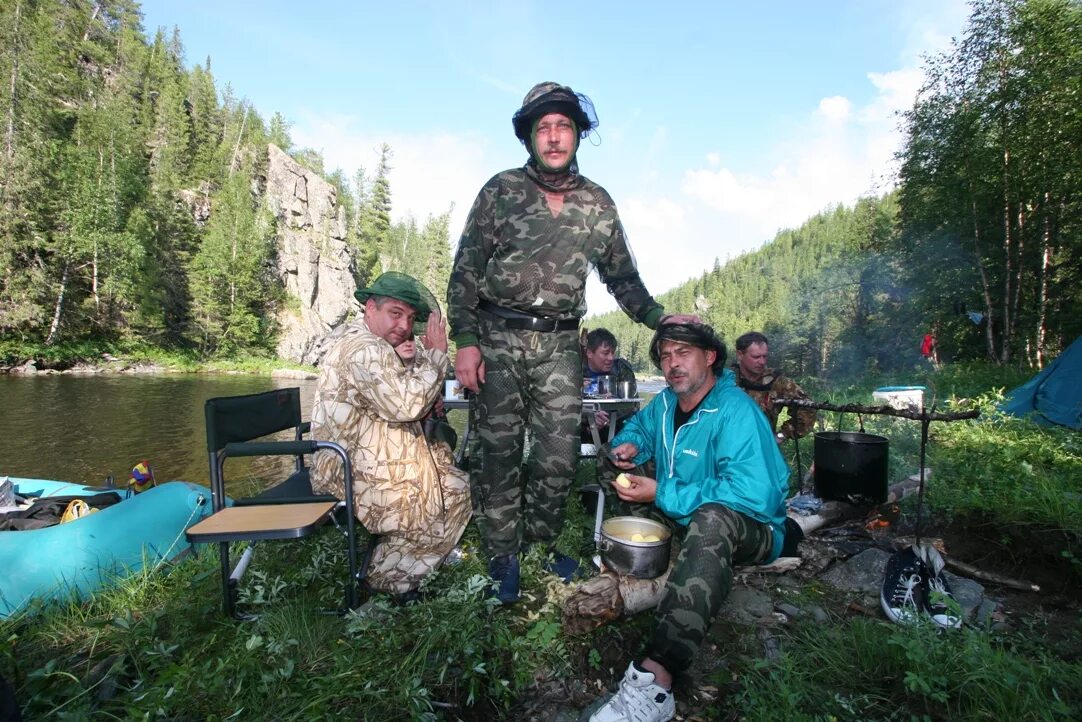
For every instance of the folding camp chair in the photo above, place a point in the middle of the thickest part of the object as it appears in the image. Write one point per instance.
(289, 510)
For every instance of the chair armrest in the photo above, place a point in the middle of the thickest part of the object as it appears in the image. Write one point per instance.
(269, 448)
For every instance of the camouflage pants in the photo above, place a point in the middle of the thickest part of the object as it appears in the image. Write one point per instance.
(402, 559)
(717, 539)
(533, 381)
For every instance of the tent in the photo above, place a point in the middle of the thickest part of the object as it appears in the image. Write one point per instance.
(1054, 396)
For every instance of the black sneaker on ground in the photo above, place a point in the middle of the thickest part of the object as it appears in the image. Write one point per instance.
(903, 593)
(940, 604)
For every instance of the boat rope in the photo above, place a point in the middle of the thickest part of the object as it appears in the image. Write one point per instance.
(165, 558)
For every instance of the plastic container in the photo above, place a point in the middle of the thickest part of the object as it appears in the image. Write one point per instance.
(901, 397)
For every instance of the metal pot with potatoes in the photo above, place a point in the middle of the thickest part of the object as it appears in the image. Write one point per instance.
(634, 546)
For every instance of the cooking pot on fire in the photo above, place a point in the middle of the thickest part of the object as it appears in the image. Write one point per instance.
(633, 546)
(851, 466)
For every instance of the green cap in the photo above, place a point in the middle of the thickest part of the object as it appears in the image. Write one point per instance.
(402, 287)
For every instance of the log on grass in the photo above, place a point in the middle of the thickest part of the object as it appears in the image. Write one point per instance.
(831, 512)
(968, 570)
(610, 596)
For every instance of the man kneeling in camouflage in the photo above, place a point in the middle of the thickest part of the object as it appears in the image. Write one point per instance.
(371, 400)
(720, 475)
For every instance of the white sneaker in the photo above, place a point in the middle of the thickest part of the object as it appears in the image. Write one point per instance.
(639, 699)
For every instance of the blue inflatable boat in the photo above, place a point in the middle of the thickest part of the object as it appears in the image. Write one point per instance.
(78, 557)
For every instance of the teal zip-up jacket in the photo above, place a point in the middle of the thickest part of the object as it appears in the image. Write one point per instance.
(724, 454)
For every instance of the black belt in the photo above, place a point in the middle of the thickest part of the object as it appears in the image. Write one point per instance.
(526, 322)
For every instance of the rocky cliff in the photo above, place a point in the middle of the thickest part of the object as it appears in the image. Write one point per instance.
(313, 258)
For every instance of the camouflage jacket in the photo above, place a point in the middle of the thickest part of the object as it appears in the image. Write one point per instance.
(368, 401)
(775, 385)
(513, 253)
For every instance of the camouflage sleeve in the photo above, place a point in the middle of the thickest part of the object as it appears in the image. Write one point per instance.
(618, 271)
(474, 250)
(396, 393)
(624, 372)
(800, 421)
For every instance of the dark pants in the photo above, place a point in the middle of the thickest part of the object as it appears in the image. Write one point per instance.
(533, 381)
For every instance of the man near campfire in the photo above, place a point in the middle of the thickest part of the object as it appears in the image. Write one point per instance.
(371, 400)
(515, 297)
(765, 385)
(720, 477)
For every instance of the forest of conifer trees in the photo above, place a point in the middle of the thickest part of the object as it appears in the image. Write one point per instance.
(130, 204)
(130, 207)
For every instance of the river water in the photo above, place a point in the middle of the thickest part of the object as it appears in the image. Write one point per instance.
(85, 428)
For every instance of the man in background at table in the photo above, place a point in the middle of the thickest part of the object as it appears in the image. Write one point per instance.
(765, 385)
(599, 359)
(371, 400)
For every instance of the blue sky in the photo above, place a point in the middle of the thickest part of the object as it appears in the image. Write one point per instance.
(720, 122)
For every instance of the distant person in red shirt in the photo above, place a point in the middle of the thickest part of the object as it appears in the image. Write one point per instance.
(928, 349)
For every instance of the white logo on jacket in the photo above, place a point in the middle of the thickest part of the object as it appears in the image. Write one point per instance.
(691, 452)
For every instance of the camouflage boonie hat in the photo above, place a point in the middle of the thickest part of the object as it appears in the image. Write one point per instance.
(549, 97)
(402, 287)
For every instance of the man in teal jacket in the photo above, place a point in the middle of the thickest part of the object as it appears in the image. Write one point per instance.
(720, 475)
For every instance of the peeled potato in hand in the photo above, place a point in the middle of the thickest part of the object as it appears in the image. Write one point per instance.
(623, 481)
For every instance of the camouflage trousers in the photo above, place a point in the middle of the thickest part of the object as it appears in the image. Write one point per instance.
(533, 382)
(403, 558)
(717, 539)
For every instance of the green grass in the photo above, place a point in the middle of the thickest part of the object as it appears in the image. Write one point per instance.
(158, 647)
(874, 670)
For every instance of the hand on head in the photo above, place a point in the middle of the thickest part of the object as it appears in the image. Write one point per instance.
(435, 335)
(681, 318)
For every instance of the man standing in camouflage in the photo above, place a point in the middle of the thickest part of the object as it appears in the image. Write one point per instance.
(764, 385)
(515, 297)
(372, 403)
(719, 475)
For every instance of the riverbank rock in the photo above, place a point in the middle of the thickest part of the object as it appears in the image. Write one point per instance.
(313, 257)
(294, 374)
(27, 369)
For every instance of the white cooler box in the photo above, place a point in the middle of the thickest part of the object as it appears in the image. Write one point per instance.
(901, 397)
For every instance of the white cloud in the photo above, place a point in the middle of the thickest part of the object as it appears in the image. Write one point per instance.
(429, 172)
(835, 107)
(836, 154)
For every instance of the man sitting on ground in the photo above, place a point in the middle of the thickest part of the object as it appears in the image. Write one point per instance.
(599, 359)
(720, 475)
(371, 401)
(764, 385)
